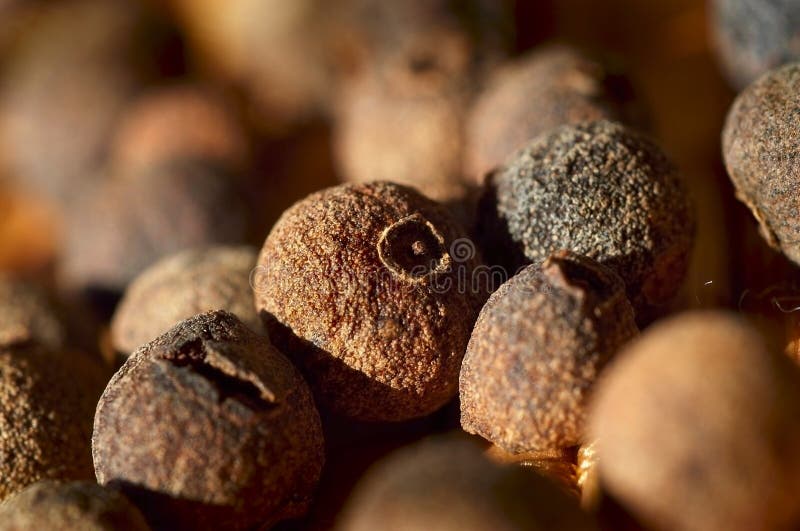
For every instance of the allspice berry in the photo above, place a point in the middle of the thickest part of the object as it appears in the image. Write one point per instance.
(75, 506)
(754, 36)
(537, 349)
(27, 312)
(697, 424)
(128, 223)
(209, 427)
(181, 286)
(46, 405)
(601, 191)
(447, 484)
(372, 289)
(549, 87)
(760, 139)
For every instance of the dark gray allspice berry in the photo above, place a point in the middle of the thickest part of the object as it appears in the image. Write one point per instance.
(363, 285)
(547, 88)
(75, 506)
(127, 224)
(697, 423)
(27, 312)
(754, 36)
(448, 485)
(181, 286)
(46, 405)
(536, 351)
(209, 427)
(602, 191)
(760, 141)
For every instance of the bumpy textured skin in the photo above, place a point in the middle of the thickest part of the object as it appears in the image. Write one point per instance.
(27, 312)
(181, 286)
(209, 427)
(130, 222)
(46, 405)
(448, 485)
(543, 90)
(760, 140)
(754, 36)
(536, 351)
(697, 425)
(599, 190)
(337, 288)
(76, 506)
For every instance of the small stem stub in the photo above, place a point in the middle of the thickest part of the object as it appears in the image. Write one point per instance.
(413, 249)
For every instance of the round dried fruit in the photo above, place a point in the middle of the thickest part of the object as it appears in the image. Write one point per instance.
(209, 427)
(27, 312)
(536, 352)
(371, 288)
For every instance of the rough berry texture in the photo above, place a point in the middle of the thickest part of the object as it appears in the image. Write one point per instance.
(209, 427)
(76, 506)
(760, 141)
(754, 36)
(541, 91)
(46, 405)
(27, 312)
(446, 485)
(601, 191)
(696, 425)
(371, 289)
(182, 286)
(536, 351)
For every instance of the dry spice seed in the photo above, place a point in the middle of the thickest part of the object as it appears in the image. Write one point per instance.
(536, 351)
(754, 36)
(696, 425)
(209, 427)
(447, 484)
(553, 86)
(27, 312)
(181, 286)
(46, 405)
(76, 506)
(599, 190)
(760, 141)
(370, 288)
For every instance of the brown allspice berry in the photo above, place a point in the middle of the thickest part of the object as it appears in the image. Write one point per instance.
(181, 286)
(209, 427)
(536, 351)
(46, 405)
(599, 190)
(549, 87)
(696, 425)
(558, 465)
(448, 484)
(372, 288)
(28, 312)
(760, 139)
(73, 506)
(128, 223)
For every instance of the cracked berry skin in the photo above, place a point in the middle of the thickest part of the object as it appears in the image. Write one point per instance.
(536, 351)
(599, 190)
(209, 426)
(360, 284)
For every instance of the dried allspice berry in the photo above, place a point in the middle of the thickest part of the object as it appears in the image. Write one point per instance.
(370, 288)
(28, 312)
(74, 506)
(130, 222)
(46, 404)
(547, 88)
(537, 349)
(760, 140)
(209, 427)
(448, 484)
(601, 191)
(182, 286)
(697, 424)
(754, 36)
